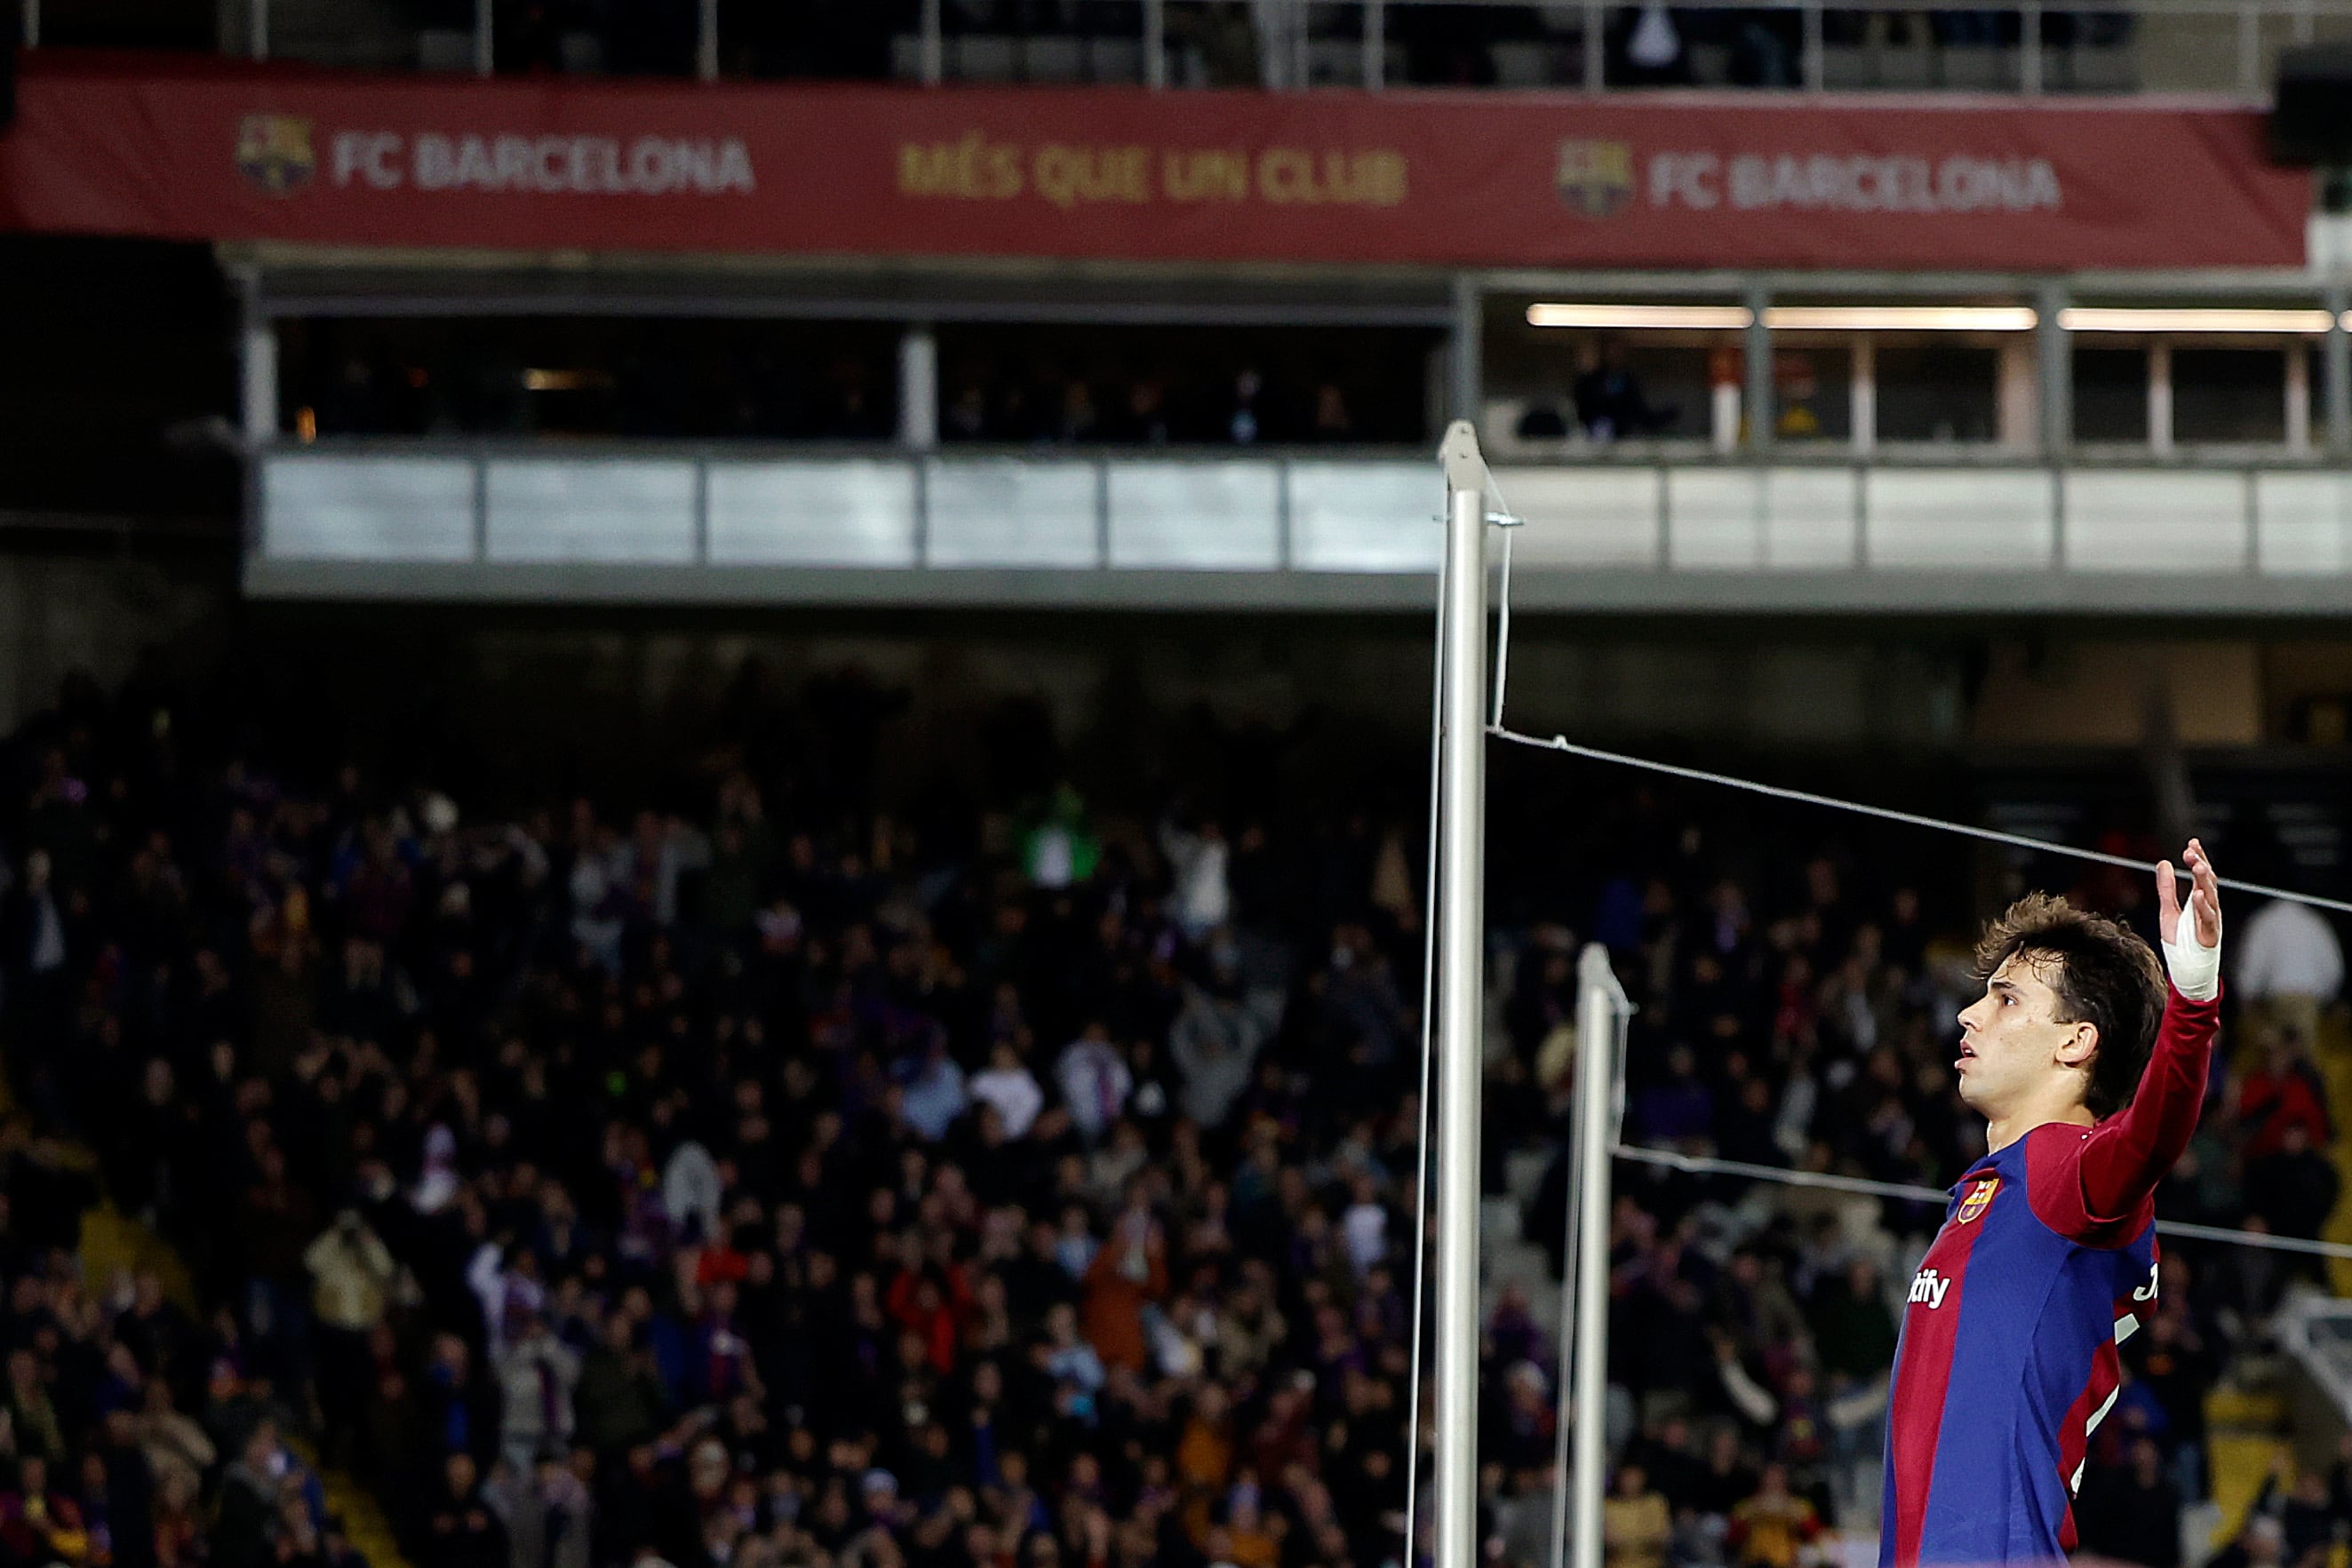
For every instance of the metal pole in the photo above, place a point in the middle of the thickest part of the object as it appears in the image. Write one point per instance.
(256, 367)
(1596, 45)
(1816, 49)
(918, 390)
(257, 29)
(934, 52)
(1598, 1003)
(706, 41)
(2298, 397)
(2029, 65)
(1563, 1415)
(485, 59)
(2249, 53)
(1761, 416)
(1465, 350)
(1376, 45)
(32, 25)
(1155, 44)
(1863, 397)
(2055, 371)
(2336, 376)
(1461, 998)
(2159, 398)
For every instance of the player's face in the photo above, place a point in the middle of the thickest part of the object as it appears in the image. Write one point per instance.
(2011, 1040)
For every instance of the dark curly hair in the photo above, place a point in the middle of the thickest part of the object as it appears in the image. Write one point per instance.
(2105, 975)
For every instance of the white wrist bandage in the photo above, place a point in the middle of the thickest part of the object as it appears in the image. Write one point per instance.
(2196, 969)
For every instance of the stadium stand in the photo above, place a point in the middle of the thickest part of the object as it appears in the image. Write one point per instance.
(798, 1175)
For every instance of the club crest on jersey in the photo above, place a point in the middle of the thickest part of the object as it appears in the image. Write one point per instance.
(1979, 1199)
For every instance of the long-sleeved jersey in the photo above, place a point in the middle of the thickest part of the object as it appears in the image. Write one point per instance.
(2008, 1358)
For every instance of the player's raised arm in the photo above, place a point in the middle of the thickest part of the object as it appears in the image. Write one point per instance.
(2130, 1152)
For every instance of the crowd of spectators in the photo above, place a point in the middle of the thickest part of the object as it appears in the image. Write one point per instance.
(795, 1175)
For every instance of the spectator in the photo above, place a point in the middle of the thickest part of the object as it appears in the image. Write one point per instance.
(2295, 1187)
(353, 1274)
(2291, 965)
(537, 1374)
(1095, 1082)
(2283, 1092)
(1610, 403)
(1774, 1527)
(1634, 1523)
(39, 1525)
(2132, 1514)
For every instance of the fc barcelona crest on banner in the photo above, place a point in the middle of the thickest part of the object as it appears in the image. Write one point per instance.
(273, 151)
(1979, 1199)
(1594, 179)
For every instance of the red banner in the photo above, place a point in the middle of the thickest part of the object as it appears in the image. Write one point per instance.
(229, 153)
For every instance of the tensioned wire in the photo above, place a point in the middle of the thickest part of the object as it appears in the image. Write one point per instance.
(1708, 1164)
(1885, 813)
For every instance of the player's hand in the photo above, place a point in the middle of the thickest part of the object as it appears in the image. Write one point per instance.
(2204, 898)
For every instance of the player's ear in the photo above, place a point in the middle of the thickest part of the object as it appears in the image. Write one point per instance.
(2081, 1044)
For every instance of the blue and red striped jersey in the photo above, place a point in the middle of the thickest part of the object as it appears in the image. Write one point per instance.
(2008, 1357)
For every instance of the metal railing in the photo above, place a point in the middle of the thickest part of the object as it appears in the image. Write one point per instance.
(2028, 46)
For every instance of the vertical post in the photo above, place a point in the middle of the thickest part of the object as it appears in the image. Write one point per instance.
(257, 29)
(2298, 397)
(2336, 375)
(2159, 398)
(1155, 44)
(2056, 381)
(1761, 413)
(1465, 358)
(256, 402)
(2249, 52)
(706, 40)
(1815, 66)
(1376, 45)
(31, 35)
(934, 44)
(1564, 1401)
(1596, 1093)
(1863, 394)
(1723, 414)
(485, 59)
(1596, 46)
(2030, 69)
(918, 390)
(1461, 998)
